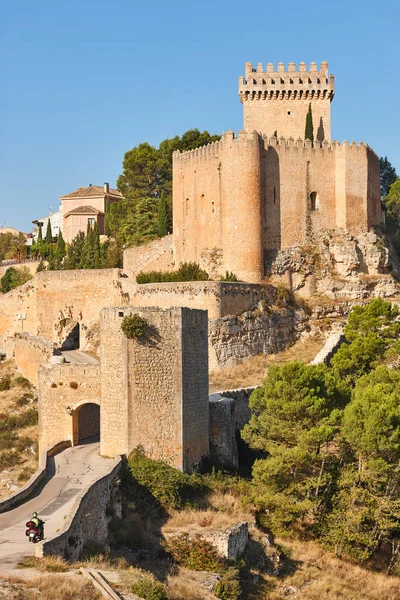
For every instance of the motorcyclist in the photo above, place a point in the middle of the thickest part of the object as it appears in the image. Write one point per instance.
(38, 523)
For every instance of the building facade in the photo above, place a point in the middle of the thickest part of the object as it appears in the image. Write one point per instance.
(246, 197)
(84, 206)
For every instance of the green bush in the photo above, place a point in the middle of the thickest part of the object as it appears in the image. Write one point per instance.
(25, 419)
(190, 271)
(170, 487)
(229, 276)
(7, 439)
(24, 400)
(149, 589)
(5, 383)
(13, 277)
(22, 382)
(228, 587)
(194, 553)
(9, 458)
(134, 326)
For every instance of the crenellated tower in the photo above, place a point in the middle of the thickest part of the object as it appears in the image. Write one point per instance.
(278, 101)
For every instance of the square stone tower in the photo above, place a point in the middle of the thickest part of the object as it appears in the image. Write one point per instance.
(154, 391)
(278, 101)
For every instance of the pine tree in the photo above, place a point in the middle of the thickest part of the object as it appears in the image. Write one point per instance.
(49, 236)
(60, 251)
(309, 133)
(162, 217)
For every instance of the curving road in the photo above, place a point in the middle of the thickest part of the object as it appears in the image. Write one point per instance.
(69, 472)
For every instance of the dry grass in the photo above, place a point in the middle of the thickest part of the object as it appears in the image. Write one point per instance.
(252, 371)
(318, 574)
(53, 564)
(51, 587)
(187, 585)
(19, 474)
(225, 510)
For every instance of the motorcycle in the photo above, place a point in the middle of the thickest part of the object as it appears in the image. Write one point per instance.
(34, 533)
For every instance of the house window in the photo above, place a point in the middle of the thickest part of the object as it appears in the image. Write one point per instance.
(314, 201)
(91, 221)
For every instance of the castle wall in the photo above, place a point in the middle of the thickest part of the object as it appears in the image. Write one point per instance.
(154, 256)
(61, 386)
(154, 390)
(30, 353)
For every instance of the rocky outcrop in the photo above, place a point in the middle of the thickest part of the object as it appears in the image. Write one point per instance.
(336, 265)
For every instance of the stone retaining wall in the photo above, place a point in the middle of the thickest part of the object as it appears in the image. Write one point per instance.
(88, 519)
(30, 353)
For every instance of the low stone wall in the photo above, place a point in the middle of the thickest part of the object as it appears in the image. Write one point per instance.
(329, 349)
(31, 266)
(241, 398)
(88, 519)
(154, 256)
(217, 297)
(231, 543)
(35, 480)
(30, 353)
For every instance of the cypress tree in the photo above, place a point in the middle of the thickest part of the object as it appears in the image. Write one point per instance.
(96, 247)
(162, 217)
(49, 237)
(40, 234)
(309, 133)
(60, 250)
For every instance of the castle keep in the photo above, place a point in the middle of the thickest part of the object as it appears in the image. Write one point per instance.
(244, 198)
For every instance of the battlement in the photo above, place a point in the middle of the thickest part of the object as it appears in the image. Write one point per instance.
(229, 137)
(293, 83)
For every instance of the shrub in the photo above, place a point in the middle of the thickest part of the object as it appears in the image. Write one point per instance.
(149, 589)
(134, 326)
(24, 400)
(190, 271)
(229, 276)
(194, 553)
(9, 458)
(170, 487)
(13, 277)
(5, 383)
(27, 418)
(228, 587)
(7, 439)
(22, 382)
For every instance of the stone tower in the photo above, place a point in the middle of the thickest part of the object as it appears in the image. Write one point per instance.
(278, 101)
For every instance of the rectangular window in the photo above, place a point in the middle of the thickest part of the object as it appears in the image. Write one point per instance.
(91, 221)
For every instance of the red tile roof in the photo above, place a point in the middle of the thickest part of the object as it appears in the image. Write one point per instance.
(92, 191)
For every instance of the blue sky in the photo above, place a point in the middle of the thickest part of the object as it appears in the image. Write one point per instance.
(83, 81)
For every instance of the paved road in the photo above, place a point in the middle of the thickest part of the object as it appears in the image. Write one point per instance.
(79, 357)
(70, 472)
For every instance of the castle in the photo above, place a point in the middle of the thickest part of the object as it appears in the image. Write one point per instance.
(243, 199)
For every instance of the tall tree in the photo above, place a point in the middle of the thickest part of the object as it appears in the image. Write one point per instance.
(61, 251)
(162, 217)
(309, 132)
(388, 175)
(49, 236)
(40, 234)
(392, 204)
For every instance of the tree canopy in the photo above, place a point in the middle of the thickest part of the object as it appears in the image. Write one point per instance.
(332, 441)
(388, 175)
(146, 178)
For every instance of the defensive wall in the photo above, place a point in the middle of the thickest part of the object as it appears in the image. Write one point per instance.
(154, 256)
(251, 194)
(30, 353)
(30, 265)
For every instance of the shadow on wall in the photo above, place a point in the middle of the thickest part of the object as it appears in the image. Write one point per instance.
(271, 205)
(320, 131)
(72, 340)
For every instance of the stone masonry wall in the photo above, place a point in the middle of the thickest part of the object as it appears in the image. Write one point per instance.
(30, 353)
(154, 256)
(61, 386)
(149, 391)
(89, 518)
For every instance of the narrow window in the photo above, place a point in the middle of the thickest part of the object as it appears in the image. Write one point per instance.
(91, 221)
(274, 195)
(282, 81)
(291, 81)
(213, 206)
(314, 201)
(273, 81)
